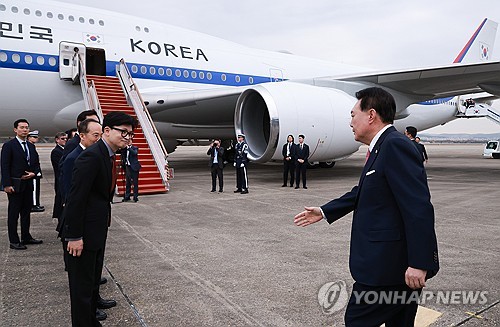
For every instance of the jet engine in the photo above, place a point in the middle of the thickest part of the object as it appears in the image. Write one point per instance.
(268, 113)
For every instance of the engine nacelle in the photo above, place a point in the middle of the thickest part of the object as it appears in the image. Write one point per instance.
(268, 113)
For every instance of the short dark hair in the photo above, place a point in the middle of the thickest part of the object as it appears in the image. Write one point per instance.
(84, 125)
(293, 139)
(84, 114)
(22, 120)
(59, 135)
(117, 118)
(302, 135)
(380, 100)
(70, 132)
(412, 131)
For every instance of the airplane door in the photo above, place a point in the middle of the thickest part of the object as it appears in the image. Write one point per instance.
(67, 63)
(95, 61)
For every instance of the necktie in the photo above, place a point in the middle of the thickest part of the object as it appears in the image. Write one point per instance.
(26, 152)
(301, 147)
(367, 155)
(113, 172)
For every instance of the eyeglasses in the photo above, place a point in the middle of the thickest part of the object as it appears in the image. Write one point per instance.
(125, 133)
(63, 138)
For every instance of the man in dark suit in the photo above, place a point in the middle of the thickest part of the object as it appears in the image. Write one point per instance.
(20, 164)
(130, 160)
(289, 153)
(426, 157)
(411, 133)
(87, 215)
(55, 158)
(216, 164)
(393, 243)
(74, 141)
(301, 156)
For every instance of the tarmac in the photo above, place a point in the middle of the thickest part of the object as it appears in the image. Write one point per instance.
(195, 258)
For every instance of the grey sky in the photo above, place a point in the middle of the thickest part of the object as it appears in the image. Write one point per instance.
(383, 34)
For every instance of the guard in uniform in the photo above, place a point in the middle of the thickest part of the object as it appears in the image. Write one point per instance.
(240, 162)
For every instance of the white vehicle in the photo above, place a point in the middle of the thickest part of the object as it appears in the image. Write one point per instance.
(492, 149)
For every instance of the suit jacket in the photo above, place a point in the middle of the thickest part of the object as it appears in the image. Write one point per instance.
(132, 157)
(220, 156)
(393, 221)
(55, 157)
(293, 151)
(14, 163)
(302, 154)
(71, 145)
(88, 209)
(421, 149)
(67, 172)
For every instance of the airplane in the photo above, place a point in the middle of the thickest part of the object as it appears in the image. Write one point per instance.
(202, 87)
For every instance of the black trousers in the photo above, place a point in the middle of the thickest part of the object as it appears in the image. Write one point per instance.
(131, 177)
(84, 275)
(288, 168)
(20, 204)
(376, 305)
(216, 172)
(241, 178)
(300, 169)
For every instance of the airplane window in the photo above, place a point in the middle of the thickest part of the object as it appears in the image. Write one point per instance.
(71, 18)
(49, 15)
(91, 21)
(250, 80)
(137, 28)
(201, 75)
(14, 10)
(52, 61)
(237, 79)
(186, 74)
(209, 76)
(26, 11)
(60, 16)
(223, 77)
(161, 71)
(16, 58)
(152, 70)
(193, 74)
(3, 57)
(66, 62)
(134, 69)
(143, 70)
(146, 29)
(2, 8)
(101, 23)
(38, 13)
(177, 73)
(28, 59)
(81, 20)
(169, 72)
(40, 60)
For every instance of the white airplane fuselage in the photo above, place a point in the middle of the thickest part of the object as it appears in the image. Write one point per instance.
(165, 60)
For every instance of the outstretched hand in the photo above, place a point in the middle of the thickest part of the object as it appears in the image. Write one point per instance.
(307, 217)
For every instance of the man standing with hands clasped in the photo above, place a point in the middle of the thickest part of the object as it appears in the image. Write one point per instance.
(216, 153)
(393, 243)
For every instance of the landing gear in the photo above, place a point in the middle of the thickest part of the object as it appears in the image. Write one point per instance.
(327, 164)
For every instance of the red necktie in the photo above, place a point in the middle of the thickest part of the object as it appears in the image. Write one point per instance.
(367, 155)
(113, 172)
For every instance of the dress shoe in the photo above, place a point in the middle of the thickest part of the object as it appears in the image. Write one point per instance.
(105, 304)
(125, 199)
(213, 191)
(43, 207)
(291, 185)
(244, 192)
(32, 241)
(37, 209)
(18, 246)
(237, 191)
(284, 185)
(100, 315)
(103, 281)
(221, 191)
(296, 187)
(135, 200)
(305, 187)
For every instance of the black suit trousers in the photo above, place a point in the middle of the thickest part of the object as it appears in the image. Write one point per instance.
(84, 275)
(288, 168)
(301, 169)
(20, 204)
(217, 173)
(132, 177)
(376, 305)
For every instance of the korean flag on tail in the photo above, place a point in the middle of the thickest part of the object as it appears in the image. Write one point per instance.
(91, 38)
(485, 51)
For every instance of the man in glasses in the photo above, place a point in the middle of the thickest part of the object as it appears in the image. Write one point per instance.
(87, 215)
(131, 165)
(55, 157)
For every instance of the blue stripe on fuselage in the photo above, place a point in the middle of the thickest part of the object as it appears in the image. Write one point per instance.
(435, 101)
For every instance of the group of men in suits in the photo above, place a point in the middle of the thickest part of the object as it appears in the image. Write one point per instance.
(393, 242)
(20, 164)
(295, 161)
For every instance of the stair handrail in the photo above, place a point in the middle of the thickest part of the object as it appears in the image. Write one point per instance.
(148, 127)
(88, 88)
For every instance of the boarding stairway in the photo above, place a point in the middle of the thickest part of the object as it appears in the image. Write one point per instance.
(477, 110)
(106, 94)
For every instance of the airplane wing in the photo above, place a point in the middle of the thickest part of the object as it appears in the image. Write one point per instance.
(438, 82)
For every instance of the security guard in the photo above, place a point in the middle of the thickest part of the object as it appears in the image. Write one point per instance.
(240, 162)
